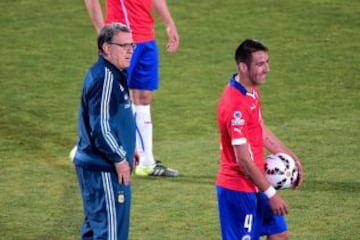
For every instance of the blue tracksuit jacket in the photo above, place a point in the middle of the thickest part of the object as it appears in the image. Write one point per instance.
(106, 121)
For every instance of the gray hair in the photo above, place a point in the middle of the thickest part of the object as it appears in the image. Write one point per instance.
(107, 33)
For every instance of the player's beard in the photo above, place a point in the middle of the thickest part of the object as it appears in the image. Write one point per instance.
(257, 79)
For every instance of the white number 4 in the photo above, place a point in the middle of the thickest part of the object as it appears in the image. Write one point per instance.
(248, 222)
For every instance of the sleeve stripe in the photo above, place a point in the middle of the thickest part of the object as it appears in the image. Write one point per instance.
(105, 114)
(238, 141)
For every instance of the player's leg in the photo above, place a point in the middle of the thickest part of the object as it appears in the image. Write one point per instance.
(143, 79)
(237, 213)
(273, 226)
(120, 201)
(144, 128)
(278, 236)
(86, 232)
(106, 206)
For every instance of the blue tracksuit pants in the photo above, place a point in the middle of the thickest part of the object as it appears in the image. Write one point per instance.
(106, 205)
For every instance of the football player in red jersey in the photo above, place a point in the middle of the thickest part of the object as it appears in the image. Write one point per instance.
(143, 73)
(249, 207)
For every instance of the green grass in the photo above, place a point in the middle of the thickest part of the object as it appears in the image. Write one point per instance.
(311, 101)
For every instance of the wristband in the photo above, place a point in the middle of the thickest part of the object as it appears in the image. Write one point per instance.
(270, 192)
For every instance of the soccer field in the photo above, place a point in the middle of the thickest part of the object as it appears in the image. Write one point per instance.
(311, 101)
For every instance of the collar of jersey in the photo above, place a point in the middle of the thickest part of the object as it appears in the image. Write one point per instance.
(110, 65)
(237, 85)
(121, 75)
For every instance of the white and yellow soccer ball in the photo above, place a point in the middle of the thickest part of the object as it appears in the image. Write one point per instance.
(72, 153)
(281, 171)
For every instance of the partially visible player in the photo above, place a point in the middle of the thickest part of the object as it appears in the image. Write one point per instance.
(249, 207)
(144, 69)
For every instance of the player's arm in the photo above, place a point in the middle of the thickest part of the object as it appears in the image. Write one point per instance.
(95, 13)
(162, 10)
(248, 167)
(274, 145)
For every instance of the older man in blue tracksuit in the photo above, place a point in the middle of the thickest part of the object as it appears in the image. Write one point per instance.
(105, 153)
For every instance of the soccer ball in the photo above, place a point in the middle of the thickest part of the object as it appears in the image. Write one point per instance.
(72, 153)
(281, 170)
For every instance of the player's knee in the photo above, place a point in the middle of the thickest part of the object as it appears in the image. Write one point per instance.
(141, 97)
(279, 236)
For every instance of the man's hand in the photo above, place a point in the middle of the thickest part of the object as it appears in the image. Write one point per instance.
(278, 205)
(173, 42)
(123, 172)
(300, 178)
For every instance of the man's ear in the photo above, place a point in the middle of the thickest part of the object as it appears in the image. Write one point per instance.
(243, 67)
(106, 49)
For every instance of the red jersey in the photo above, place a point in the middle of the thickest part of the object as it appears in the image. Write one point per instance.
(240, 122)
(136, 14)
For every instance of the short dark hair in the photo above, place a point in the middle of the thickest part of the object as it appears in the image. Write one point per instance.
(244, 51)
(107, 33)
